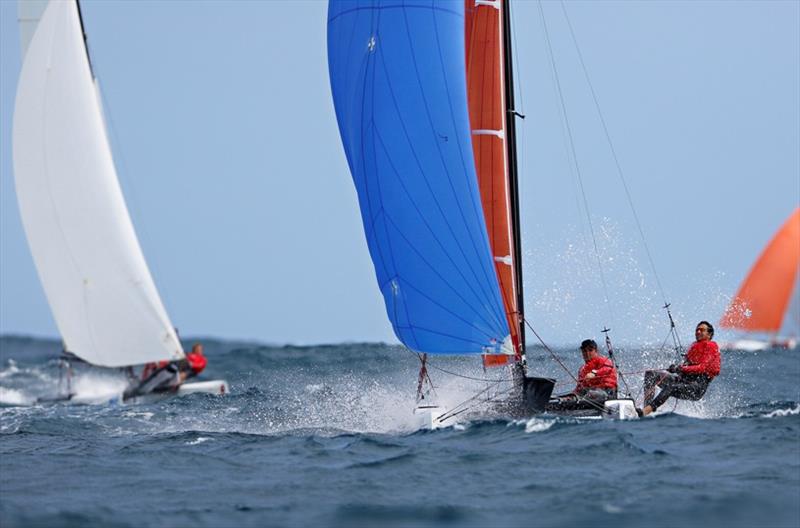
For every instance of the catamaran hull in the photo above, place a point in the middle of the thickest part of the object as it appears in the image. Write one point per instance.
(217, 387)
(536, 393)
(755, 345)
(620, 410)
(428, 417)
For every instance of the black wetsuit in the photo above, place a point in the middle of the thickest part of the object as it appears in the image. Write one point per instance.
(681, 386)
(165, 379)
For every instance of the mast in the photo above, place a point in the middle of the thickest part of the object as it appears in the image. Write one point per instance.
(83, 33)
(513, 177)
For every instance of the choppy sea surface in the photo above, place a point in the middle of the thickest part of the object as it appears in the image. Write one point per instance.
(324, 436)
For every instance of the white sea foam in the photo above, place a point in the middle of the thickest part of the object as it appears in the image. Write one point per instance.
(780, 413)
(199, 440)
(138, 414)
(94, 387)
(14, 397)
(11, 370)
(537, 425)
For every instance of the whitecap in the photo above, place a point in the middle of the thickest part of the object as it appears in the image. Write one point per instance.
(780, 413)
(199, 440)
(536, 425)
(11, 370)
(138, 414)
(14, 397)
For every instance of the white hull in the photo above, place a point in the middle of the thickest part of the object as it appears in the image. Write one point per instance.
(620, 410)
(217, 387)
(757, 345)
(427, 417)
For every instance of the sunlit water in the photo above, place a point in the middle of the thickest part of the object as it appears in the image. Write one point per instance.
(323, 436)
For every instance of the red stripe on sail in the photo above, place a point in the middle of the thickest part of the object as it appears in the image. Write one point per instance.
(497, 360)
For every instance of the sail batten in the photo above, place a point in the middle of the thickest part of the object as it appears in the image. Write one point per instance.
(399, 88)
(93, 272)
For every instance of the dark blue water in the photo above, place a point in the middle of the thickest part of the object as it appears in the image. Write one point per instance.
(322, 436)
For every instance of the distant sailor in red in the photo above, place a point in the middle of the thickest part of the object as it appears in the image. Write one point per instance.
(168, 376)
(689, 380)
(197, 362)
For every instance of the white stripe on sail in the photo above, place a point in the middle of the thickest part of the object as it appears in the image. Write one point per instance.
(486, 132)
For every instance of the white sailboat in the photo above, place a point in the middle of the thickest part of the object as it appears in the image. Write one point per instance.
(766, 309)
(99, 288)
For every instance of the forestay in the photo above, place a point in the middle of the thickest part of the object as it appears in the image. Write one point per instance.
(83, 243)
(399, 87)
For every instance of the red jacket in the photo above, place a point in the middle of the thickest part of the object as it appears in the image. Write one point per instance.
(702, 358)
(605, 375)
(197, 362)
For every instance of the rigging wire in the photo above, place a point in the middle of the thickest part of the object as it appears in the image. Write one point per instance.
(613, 152)
(555, 357)
(623, 180)
(458, 410)
(575, 160)
(423, 376)
(614, 360)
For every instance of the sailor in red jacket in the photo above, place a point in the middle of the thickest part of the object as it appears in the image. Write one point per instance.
(597, 372)
(597, 381)
(689, 380)
(168, 376)
(196, 362)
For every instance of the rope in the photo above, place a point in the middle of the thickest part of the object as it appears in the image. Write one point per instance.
(464, 376)
(549, 350)
(456, 411)
(613, 152)
(423, 375)
(575, 161)
(614, 361)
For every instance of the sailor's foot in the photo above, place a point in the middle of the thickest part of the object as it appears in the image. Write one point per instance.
(647, 410)
(639, 412)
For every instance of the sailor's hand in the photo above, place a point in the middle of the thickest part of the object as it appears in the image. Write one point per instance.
(675, 369)
(591, 375)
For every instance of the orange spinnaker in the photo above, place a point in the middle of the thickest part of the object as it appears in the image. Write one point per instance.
(761, 302)
(486, 95)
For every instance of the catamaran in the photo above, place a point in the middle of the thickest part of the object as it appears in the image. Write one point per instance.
(767, 306)
(99, 288)
(429, 138)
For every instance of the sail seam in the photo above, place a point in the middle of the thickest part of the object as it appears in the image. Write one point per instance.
(401, 121)
(477, 208)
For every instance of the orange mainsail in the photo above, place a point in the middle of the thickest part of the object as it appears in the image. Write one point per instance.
(487, 105)
(762, 301)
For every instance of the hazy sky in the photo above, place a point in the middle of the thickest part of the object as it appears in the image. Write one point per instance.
(226, 142)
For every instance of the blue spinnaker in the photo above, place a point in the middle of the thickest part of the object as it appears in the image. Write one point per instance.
(398, 78)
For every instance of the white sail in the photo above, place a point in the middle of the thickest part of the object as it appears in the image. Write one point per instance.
(79, 231)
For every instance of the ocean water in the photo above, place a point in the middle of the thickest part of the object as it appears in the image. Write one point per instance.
(323, 436)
